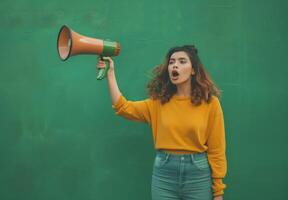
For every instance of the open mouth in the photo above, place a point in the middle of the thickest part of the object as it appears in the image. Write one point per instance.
(175, 74)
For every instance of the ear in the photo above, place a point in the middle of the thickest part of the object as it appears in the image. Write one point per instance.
(193, 72)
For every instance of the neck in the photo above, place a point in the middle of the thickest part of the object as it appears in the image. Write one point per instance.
(184, 89)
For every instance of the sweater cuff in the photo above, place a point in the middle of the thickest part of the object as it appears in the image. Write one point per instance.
(121, 100)
(218, 187)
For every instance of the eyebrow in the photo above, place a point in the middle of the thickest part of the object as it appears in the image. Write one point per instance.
(181, 58)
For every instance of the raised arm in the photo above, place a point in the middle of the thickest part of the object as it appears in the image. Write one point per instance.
(133, 110)
(111, 78)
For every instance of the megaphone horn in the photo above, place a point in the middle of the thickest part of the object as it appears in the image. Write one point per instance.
(70, 43)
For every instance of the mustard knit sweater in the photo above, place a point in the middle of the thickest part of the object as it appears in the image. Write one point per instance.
(180, 125)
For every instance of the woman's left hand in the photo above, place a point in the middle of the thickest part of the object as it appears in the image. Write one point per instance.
(218, 198)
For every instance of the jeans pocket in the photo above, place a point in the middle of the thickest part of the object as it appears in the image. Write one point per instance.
(160, 161)
(202, 163)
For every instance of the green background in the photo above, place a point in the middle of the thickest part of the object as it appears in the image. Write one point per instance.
(59, 136)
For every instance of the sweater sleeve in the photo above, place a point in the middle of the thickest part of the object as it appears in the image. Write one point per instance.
(217, 147)
(134, 110)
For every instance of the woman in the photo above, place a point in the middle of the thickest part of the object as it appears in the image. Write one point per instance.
(187, 122)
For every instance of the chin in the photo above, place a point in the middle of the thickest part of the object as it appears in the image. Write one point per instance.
(178, 82)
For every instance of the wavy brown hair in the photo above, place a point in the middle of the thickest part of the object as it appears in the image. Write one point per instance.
(202, 86)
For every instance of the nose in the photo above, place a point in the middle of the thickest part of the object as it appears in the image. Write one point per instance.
(175, 66)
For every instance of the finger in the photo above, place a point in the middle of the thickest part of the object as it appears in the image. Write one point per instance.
(100, 59)
(100, 66)
(108, 58)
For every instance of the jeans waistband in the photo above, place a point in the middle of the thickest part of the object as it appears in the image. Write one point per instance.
(193, 156)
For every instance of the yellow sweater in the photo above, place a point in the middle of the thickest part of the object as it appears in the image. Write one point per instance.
(179, 125)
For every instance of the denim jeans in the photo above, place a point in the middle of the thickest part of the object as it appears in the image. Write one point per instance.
(181, 177)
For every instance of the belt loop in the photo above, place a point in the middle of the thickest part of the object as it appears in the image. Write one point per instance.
(192, 157)
(167, 156)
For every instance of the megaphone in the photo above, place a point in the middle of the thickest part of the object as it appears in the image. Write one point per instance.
(70, 43)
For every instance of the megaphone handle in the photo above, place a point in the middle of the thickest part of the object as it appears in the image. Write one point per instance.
(102, 72)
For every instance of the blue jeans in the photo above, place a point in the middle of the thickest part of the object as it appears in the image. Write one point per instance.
(181, 177)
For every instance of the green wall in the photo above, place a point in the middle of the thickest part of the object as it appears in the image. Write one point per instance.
(59, 137)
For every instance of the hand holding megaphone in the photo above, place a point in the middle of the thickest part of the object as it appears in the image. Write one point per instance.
(106, 64)
(70, 43)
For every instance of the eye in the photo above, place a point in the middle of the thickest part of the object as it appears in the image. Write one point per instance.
(183, 61)
(171, 62)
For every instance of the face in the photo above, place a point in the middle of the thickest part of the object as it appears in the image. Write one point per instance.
(180, 68)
